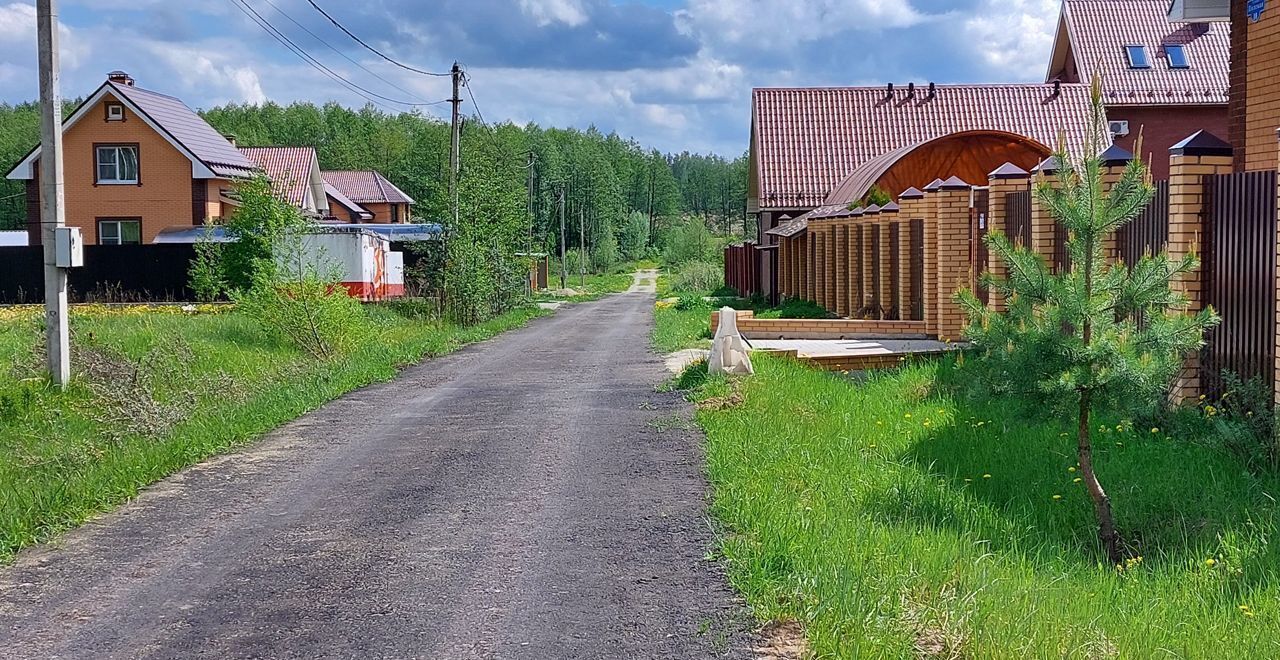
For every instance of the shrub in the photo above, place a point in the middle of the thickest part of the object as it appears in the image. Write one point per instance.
(604, 254)
(309, 310)
(689, 240)
(206, 277)
(633, 241)
(479, 281)
(697, 276)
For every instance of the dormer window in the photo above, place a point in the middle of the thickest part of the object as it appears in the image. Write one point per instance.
(1177, 56)
(115, 112)
(1137, 57)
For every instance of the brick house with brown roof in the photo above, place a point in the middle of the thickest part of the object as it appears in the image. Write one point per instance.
(1164, 79)
(295, 175)
(372, 192)
(137, 161)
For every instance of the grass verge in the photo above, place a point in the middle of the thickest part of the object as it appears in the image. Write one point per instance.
(155, 392)
(894, 520)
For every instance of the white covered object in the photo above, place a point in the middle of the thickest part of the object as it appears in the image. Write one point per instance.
(729, 353)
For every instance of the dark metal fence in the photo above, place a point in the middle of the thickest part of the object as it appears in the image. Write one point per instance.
(916, 253)
(1017, 221)
(1147, 233)
(855, 265)
(895, 271)
(877, 305)
(1061, 258)
(1240, 269)
(111, 273)
(978, 227)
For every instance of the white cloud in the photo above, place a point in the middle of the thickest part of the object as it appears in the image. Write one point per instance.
(771, 24)
(1014, 36)
(569, 12)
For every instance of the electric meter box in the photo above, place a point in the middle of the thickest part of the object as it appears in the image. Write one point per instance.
(68, 247)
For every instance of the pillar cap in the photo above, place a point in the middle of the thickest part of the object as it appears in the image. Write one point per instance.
(871, 210)
(856, 211)
(911, 193)
(1201, 143)
(1050, 164)
(1115, 155)
(891, 207)
(954, 183)
(1008, 171)
(933, 185)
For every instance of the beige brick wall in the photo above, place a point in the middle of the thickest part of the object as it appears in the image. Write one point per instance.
(1186, 232)
(869, 294)
(1262, 96)
(952, 249)
(886, 263)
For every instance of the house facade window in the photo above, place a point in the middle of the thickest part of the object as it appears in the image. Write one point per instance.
(1137, 57)
(116, 164)
(119, 231)
(1177, 56)
(115, 112)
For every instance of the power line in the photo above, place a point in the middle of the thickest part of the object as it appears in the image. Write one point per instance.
(344, 55)
(466, 80)
(301, 52)
(371, 49)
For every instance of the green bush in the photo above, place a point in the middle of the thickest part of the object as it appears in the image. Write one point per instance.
(633, 241)
(697, 276)
(604, 254)
(309, 310)
(689, 240)
(479, 281)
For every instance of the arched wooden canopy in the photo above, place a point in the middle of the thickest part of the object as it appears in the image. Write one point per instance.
(970, 155)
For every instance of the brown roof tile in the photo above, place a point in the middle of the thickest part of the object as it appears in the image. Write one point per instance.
(288, 167)
(366, 186)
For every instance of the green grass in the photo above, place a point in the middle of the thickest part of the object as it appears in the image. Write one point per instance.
(62, 457)
(597, 285)
(892, 519)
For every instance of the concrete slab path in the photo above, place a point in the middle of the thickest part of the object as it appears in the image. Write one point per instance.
(529, 497)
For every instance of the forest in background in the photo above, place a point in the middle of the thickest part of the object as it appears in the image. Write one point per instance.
(609, 182)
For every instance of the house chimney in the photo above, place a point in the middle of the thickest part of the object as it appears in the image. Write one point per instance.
(1057, 88)
(933, 90)
(911, 90)
(231, 137)
(120, 78)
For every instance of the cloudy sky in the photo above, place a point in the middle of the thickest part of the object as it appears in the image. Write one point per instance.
(675, 74)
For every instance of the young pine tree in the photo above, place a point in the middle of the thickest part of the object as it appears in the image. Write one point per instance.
(1097, 333)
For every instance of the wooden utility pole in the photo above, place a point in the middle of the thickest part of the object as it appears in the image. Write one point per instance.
(564, 270)
(455, 141)
(52, 212)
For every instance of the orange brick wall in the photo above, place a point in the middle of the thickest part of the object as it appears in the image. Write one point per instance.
(1261, 94)
(163, 198)
(952, 251)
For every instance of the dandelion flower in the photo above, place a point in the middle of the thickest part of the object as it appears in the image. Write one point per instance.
(1057, 497)
(1071, 469)
(1076, 480)
(1210, 562)
(908, 415)
(986, 476)
(1155, 429)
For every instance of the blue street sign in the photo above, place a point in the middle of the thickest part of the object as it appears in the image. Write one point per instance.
(1254, 9)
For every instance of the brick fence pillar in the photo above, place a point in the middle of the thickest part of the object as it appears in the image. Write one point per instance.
(910, 207)
(1276, 377)
(1042, 223)
(931, 257)
(952, 250)
(888, 216)
(853, 246)
(1006, 179)
(870, 294)
(833, 288)
(1190, 161)
(819, 231)
(1114, 160)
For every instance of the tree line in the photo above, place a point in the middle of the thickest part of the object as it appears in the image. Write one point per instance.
(510, 174)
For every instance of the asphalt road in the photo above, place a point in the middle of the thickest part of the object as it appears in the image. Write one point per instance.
(529, 497)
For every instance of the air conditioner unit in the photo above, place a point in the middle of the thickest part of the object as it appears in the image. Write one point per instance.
(1118, 128)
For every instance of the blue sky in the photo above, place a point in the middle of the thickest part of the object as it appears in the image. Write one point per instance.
(675, 74)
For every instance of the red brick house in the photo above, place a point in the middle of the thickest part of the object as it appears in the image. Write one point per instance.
(372, 193)
(1162, 79)
(295, 174)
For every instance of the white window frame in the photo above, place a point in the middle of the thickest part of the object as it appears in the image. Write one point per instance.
(115, 112)
(1146, 57)
(116, 238)
(1186, 58)
(115, 150)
